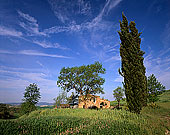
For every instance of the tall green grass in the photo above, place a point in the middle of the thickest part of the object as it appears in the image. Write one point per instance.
(151, 121)
(80, 121)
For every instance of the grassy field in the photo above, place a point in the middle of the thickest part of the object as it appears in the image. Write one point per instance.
(151, 121)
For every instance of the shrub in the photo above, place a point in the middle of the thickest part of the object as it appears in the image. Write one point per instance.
(4, 111)
(27, 107)
(153, 105)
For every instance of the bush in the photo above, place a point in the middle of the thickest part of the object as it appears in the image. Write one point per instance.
(27, 107)
(4, 111)
(153, 105)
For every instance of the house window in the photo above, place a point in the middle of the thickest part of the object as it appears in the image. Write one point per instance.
(101, 104)
(94, 100)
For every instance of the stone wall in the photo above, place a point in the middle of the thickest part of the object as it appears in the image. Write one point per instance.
(91, 101)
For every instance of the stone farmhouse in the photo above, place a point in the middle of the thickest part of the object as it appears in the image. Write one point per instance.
(93, 101)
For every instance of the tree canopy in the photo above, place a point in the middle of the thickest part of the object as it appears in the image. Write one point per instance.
(155, 88)
(84, 79)
(32, 94)
(132, 67)
(61, 99)
(118, 93)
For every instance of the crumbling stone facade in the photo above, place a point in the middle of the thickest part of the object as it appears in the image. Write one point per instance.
(91, 101)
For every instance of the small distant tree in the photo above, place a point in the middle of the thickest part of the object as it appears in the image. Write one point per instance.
(32, 94)
(155, 88)
(84, 79)
(118, 94)
(61, 99)
(31, 98)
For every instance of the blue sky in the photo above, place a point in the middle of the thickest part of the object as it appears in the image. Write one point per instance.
(38, 38)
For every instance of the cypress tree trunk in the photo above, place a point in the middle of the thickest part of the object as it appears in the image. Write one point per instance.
(132, 67)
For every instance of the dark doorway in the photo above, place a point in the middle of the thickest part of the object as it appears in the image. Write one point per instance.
(101, 105)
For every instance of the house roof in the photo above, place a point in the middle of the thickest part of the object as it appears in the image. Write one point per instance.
(89, 95)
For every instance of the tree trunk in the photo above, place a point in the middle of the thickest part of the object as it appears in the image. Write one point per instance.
(118, 103)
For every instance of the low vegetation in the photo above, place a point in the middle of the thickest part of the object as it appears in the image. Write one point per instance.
(151, 121)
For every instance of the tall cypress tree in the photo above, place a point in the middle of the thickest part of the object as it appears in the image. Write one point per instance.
(132, 67)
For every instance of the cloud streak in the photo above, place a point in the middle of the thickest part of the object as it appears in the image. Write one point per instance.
(36, 53)
(158, 66)
(46, 44)
(30, 24)
(20, 79)
(65, 11)
(166, 34)
(33, 53)
(4, 31)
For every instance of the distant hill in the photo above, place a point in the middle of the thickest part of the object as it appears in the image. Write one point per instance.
(165, 96)
(44, 103)
(38, 104)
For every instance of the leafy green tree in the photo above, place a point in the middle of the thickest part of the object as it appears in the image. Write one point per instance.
(32, 94)
(31, 98)
(155, 88)
(27, 107)
(118, 94)
(84, 79)
(132, 67)
(61, 99)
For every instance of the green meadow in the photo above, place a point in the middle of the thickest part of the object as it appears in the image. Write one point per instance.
(151, 121)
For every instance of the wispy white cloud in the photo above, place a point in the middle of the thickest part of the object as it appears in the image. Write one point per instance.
(27, 17)
(6, 52)
(57, 29)
(20, 69)
(158, 66)
(110, 4)
(119, 79)
(46, 44)
(63, 14)
(4, 31)
(165, 51)
(98, 30)
(65, 10)
(33, 53)
(30, 24)
(36, 53)
(113, 3)
(20, 79)
(166, 34)
(113, 58)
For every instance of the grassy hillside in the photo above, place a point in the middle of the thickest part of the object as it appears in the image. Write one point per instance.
(84, 121)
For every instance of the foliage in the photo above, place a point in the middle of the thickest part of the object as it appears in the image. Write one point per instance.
(153, 105)
(114, 103)
(118, 94)
(155, 88)
(4, 111)
(84, 79)
(27, 107)
(32, 94)
(73, 99)
(61, 99)
(133, 70)
(81, 121)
